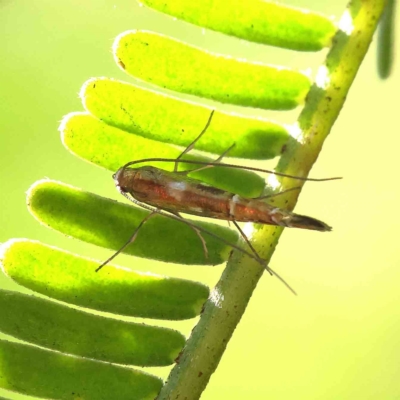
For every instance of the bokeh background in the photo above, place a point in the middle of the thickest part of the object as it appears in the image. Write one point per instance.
(340, 338)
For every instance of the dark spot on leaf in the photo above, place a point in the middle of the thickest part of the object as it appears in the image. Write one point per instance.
(121, 63)
(200, 374)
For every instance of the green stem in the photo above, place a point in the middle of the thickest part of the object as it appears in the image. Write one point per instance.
(229, 299)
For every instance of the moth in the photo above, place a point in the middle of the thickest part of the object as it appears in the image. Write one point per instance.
(171, 193)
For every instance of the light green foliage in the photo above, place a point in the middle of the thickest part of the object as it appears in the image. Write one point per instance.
(386, 48)
(67, 330)
(72, 279)
(130, 123)
(259, 21)
(42, 373)
(161, 117)
(153, 58)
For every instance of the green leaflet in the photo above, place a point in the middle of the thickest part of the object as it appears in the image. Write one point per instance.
(165, 118)
(111, 148)
(153, 58)
(254, 20)
(72, 279)
(42, 373)
(67, 330)
(386, 40)
(110, 224)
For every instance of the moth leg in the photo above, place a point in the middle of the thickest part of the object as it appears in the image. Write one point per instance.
(131, 239)
(268, 196)
(191, 145)
(261, 261)
(201, 229)
(198, 233)
(171, 215)
(246, 239)
(218, 160)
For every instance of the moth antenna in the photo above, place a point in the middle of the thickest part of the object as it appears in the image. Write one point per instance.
(217, 164)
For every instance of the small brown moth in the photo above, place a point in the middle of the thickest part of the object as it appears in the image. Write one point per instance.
(170, 193)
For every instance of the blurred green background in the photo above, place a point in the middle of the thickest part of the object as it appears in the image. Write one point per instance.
(340, 338)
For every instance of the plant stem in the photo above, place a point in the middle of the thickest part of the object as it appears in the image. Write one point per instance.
(224, 309)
